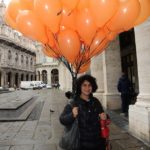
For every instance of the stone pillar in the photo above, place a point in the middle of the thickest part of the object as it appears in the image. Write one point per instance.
(19, 79)
(97, 72)
(24, 77)
(41, 77)
(139, 114)
(3, 79)
(12, 79)
(112, 72)
(30, 77)
(107, 70)
(49, 77)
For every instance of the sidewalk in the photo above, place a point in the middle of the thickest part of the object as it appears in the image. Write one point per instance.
(44, 132)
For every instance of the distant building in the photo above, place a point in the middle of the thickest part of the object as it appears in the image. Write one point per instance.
(47, 69)
(17, 55)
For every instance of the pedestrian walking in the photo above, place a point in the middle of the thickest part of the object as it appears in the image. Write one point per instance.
(88, 111)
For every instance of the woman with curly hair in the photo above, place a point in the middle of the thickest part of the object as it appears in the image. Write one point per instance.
(88, 110)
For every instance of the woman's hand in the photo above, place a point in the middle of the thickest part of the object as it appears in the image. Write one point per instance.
(103, 116)
(75, 112)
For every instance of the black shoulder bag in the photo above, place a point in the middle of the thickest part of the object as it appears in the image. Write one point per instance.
(71, 137)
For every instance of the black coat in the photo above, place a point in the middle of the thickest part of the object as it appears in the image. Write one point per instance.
(88, 118)
(124, 85)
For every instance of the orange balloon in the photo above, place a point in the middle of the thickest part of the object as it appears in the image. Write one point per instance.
(111, 36)
(85, 67)
(68, 18)
(62, 28)
(82, 58)
(50, 37)
(126, 15)
(70, 4)
(29, 25)
(100, 48)
(13, 8)
(85, 26)
(27, 4)
(83, 4)
(49, 11)
(69, 44)
(145, 11)
(10, 21)
(100, 36)
(103, 10)
(50, 53)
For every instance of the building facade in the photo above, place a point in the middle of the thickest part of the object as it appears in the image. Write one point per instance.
(47, 69)
(17, 55)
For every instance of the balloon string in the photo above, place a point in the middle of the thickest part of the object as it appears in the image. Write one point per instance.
(57, 44)
(100, 44)
(104, 41)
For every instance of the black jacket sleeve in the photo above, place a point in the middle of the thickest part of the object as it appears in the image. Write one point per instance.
(99, 106)
(66, 117)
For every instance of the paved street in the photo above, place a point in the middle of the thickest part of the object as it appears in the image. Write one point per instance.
(42, 130)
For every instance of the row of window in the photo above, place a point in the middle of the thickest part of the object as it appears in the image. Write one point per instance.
(22, 58)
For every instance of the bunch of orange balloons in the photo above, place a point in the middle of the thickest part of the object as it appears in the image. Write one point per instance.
(75, 30)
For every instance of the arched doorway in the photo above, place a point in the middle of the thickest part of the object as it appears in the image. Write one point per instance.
(27, 77)
(44, 76)
(16, 79)
(31, 77)
(35, 77)
(22, 77)
(129, 58)
(55, 76)
(9, 75)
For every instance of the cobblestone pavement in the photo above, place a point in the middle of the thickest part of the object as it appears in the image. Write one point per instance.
(42, 130)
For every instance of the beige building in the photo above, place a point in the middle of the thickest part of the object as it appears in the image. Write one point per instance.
(17, 55)
(47, 69)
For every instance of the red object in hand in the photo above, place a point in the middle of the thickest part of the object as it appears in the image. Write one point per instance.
(104, 128)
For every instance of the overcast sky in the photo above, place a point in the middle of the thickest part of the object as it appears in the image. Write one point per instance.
(6, 1)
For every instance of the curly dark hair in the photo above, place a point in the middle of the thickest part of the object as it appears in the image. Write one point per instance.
(88, 78)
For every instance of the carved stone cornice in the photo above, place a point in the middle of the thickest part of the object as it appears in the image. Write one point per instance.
(16, 46)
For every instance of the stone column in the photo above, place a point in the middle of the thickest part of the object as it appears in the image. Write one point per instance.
(30, 77)
(107, 70)
(19, 79)
(3, 79)
(139, 114)
(12, 80)
(112, 72)
(41, 77)
(24, 77)
(97, 72)
(49, 77)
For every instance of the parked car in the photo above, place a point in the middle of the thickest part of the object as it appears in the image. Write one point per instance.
(31, 85)
(48, 86)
